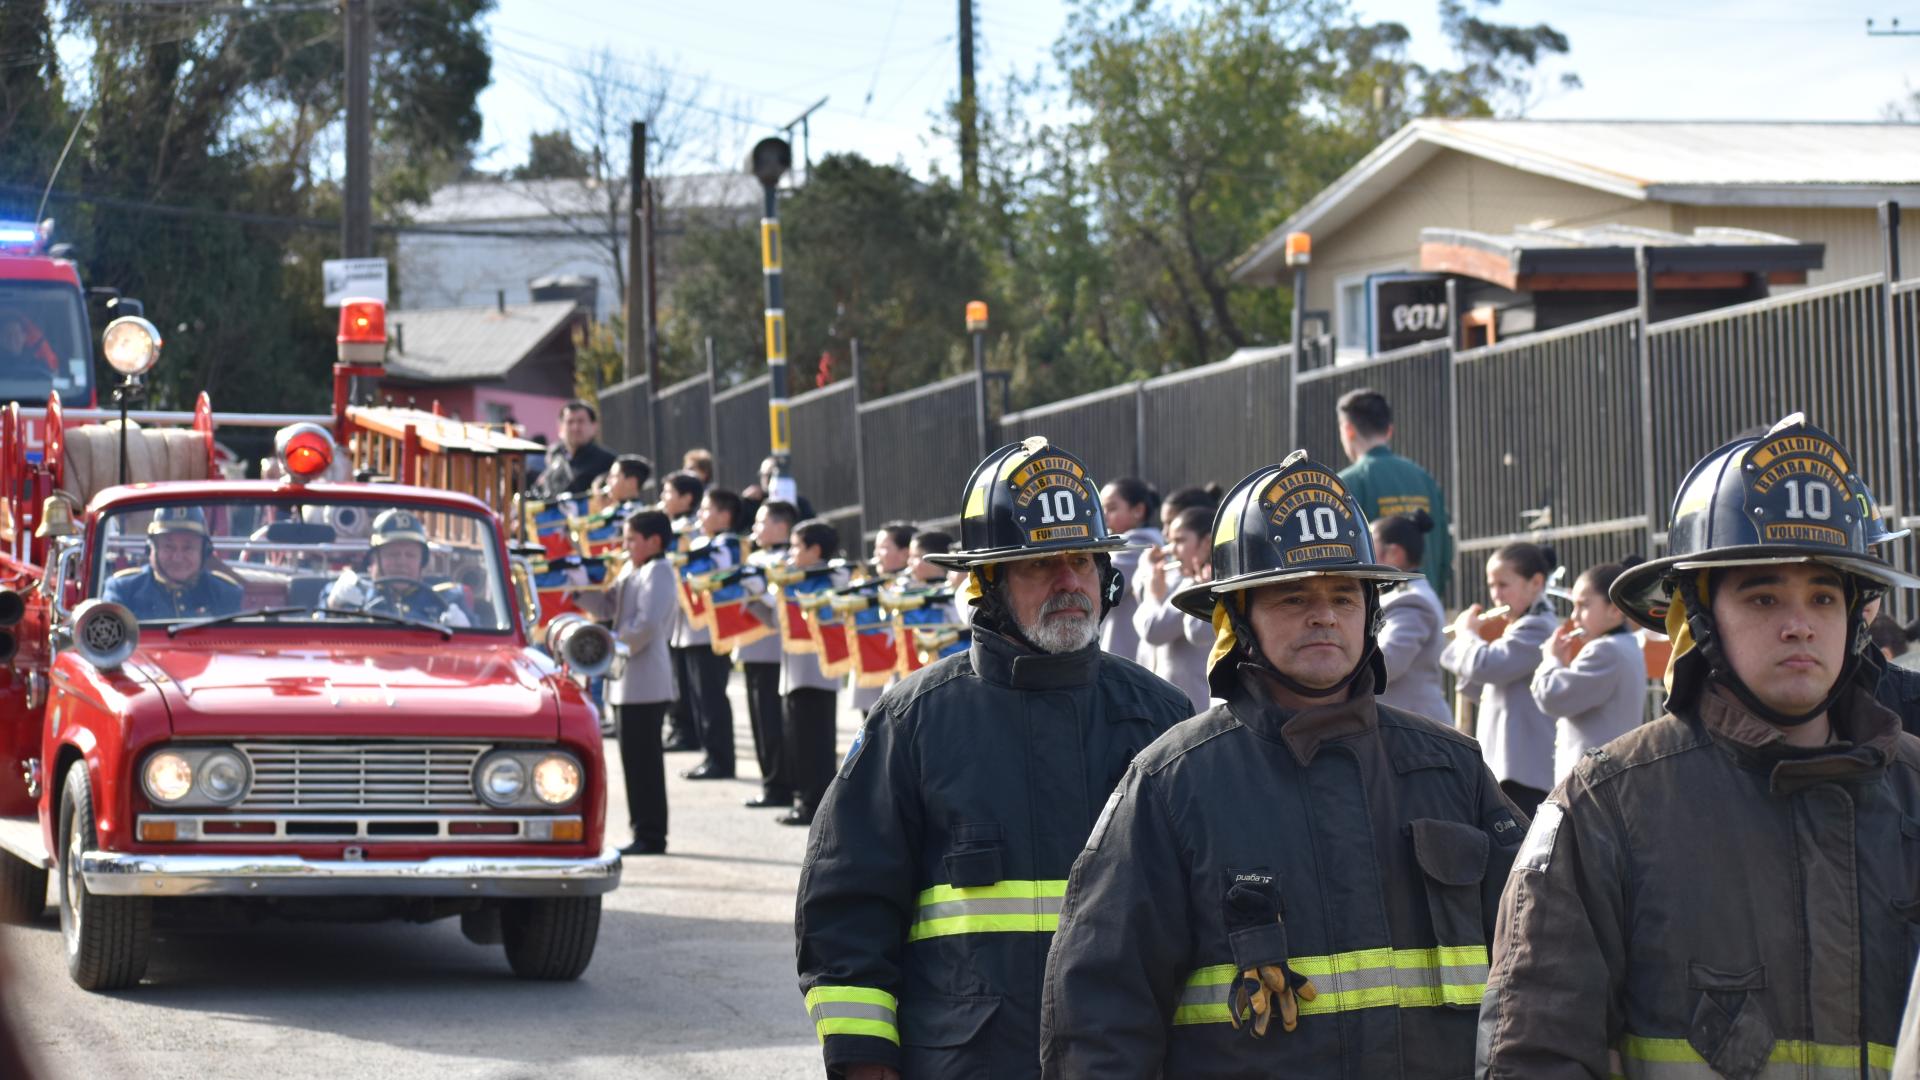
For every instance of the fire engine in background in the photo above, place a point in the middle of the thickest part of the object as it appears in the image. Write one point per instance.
(315, 696)
(45, 346)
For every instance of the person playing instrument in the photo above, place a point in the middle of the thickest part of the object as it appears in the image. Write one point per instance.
(1516, 736)
(1411, 618)
(395, 582)
(1595, 692)
(1173, 644)
(176, 582)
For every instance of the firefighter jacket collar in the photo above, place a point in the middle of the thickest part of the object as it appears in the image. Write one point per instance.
(1304, 731)
(1866, 734)
(998, 659)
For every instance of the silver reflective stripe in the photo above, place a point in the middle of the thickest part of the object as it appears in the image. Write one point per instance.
(1004, 905)
(1779, 1070)
(850, 1010)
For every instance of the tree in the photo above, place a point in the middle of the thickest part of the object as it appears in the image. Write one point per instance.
(870, 254)
(217, 110)
(552, 156)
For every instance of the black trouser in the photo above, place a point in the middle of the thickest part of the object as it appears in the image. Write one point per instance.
(1528, 799)
(683, 728)
(711, 709)
(808, 738)
(764, 717)
(646, 770)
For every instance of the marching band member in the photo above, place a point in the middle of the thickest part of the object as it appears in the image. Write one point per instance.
(762, 660)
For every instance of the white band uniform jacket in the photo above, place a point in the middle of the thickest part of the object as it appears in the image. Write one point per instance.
(1363, 846)
(645, 604)
(933, 877)
(1599, 697)
(1411, 643)
(1515, 735)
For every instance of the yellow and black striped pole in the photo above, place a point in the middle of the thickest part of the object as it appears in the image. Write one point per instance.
(770, 161)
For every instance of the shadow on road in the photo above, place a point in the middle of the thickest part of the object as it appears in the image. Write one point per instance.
(658, 985)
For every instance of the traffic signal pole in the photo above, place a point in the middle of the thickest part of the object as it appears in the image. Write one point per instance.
(770, 161)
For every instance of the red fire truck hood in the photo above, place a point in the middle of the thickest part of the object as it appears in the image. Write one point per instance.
(447, 689)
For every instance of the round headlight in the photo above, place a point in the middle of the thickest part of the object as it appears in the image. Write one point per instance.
(502, 780)
(556, 780)
(223, 777)
(169, 777)
(131, 345)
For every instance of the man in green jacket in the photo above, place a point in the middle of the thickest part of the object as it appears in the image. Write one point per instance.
(1384, 483)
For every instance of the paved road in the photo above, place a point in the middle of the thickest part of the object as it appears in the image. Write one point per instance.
(693, 978)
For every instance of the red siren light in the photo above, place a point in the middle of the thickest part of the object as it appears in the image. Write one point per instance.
(363, 331)
(305, 451)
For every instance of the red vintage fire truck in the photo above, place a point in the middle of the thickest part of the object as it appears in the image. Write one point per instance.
(315, 696)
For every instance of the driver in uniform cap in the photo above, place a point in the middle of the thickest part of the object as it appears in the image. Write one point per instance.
(1733, 889)
(176, 582)
(1300, 881)
(938, 858)
(395, 583)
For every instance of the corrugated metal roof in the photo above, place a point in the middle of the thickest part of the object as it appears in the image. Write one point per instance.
(477, 201)
(1696, 163)
(469, 343)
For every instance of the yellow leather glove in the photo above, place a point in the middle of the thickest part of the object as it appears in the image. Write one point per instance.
(1260, 994)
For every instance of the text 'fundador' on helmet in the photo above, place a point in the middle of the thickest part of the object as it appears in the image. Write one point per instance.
(396, 525)
(1029, 500)
(1291, 520)
(1791, 495)
(178, 519)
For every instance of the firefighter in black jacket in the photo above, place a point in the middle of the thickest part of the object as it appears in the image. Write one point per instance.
(933, 877)
(1300, 882)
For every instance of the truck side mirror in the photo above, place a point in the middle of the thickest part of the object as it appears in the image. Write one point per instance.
(526, 594)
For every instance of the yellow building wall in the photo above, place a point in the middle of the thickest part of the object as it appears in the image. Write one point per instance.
(1852, 236)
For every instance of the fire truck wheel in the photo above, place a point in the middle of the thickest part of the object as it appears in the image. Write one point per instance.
(551, 939)
(23, 890)
(106, 936)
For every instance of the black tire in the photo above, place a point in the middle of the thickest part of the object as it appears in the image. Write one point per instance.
(23, 890)
(106, 936)
(551, 939)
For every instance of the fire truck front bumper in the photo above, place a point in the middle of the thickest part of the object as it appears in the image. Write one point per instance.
(109, 873)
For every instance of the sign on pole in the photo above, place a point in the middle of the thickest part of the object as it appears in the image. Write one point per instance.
(354, 277)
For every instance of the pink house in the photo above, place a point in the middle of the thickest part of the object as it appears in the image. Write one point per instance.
(491, 364)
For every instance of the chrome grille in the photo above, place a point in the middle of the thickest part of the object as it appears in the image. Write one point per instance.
(326, 776)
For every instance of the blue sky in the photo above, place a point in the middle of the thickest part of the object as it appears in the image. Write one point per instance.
(887, 65)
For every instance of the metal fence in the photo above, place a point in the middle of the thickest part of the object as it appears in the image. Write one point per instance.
(1576, 436)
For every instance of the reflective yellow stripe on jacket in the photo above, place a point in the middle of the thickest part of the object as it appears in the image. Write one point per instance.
(1676, 1059)
(1003, 907)
(854, 1010)
(1365, 979)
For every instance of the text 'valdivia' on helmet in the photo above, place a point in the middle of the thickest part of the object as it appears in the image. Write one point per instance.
(1283, 522)
(1031, 500)
(395, 525)
(1792, 495)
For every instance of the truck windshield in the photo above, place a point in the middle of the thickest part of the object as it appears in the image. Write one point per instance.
(370, 562)
(44, 344)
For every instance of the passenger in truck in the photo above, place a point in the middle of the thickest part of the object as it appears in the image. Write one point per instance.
(395, 581)
(176, 583)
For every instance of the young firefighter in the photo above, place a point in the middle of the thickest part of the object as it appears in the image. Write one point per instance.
(1732, 889)
(1299, 882)
(933, 877)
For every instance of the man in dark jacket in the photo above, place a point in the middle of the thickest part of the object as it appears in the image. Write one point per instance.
(578, 461)
(1300, 882)
(933, 877)
(1729, 890)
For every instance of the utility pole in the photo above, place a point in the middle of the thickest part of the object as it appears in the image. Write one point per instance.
(806, 135)
(639, 312)
(969, 107)
(356, 223)
(770, 160)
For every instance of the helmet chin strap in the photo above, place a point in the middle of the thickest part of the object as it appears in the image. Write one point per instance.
(1705, 638)
(1371, 658)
